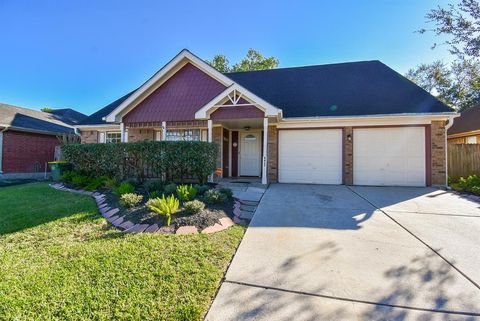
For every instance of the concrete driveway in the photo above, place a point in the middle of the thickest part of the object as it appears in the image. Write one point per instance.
(355, 253)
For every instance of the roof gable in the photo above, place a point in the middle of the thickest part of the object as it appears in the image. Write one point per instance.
(468, 121)
(178, 98)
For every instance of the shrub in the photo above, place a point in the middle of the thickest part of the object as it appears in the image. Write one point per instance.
(194, 206)
(124, 188)
(94, 183)
(186, 192)
(170, 189)
(227, 192)
(164, 206)
(153, 185)
(470, 184)
(201, 189)
(173, 160)
(214, 196)
(131, 199)
(67, 176)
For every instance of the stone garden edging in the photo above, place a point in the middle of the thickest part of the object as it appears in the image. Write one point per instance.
(110, 214)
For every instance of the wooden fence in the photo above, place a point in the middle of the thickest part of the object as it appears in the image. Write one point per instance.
(463, 160)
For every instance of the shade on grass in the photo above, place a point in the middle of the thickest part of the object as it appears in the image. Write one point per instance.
(60, 260)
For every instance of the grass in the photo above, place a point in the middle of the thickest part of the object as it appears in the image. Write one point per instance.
(59, 260)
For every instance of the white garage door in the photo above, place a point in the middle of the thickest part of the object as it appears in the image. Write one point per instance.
(389, 156)
(310, 156)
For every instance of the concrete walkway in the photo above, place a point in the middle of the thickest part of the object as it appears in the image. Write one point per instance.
(362, 253)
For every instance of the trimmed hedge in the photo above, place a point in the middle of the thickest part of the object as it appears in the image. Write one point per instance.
(172, 161)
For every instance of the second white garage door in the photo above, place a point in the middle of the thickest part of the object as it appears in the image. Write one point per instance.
(310, 156)
(389, 156)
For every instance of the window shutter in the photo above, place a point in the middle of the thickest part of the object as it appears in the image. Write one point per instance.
(101, 137)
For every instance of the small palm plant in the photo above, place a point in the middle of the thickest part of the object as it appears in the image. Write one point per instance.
(164, 206)
(186, 192)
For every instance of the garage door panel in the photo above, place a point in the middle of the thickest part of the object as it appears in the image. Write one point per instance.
(310, 156)
(389, 156)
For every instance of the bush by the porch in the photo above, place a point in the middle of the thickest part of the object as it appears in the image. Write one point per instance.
(170, 160)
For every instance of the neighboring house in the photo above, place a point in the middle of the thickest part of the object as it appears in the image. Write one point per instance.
(466, 128)
(28, 139)
(357, 123)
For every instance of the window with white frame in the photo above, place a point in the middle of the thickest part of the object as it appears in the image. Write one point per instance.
(471, 139)
(183, 134)
(113, 137)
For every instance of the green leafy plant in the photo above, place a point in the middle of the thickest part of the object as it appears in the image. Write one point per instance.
(186, 192)
(201, 189)
(110, 182)
(194, 207)
(214, 196)
(470, 184)
(153, 194)
(94, 183)
(164, 206)
(124, 188)
(130, 199)
(170, 189)
(227, 192)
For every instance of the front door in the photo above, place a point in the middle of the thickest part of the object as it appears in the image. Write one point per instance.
(250, 153)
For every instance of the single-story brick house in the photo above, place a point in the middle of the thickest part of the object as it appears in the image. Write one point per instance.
(356, 123)
(28, 138)
(466, 129)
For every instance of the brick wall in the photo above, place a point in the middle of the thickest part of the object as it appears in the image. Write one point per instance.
(272, 141)
(23, 151)
(137, 135)
(439, 171)
(89, 136)
(348, 156)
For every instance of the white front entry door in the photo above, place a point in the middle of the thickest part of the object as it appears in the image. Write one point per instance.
(250, 153)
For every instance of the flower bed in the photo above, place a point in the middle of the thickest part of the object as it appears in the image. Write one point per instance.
(156, 206)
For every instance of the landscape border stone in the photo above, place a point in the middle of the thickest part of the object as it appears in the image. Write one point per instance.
(111, 214)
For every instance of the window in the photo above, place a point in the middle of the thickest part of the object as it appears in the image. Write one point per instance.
(471, 139)
(183, 134)
(113, 137)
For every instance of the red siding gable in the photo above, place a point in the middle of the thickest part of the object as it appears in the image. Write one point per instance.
(178, 98)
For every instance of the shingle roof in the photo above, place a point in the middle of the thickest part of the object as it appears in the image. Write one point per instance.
(96, 118)
(469, 120)
(68, 115)
(344, 89)
(31, 120)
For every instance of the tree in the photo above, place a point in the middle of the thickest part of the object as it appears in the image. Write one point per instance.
(254, 60)
(461, 24)
(457, 84)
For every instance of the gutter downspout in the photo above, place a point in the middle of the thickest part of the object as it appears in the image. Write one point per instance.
(447, 127)
(1, 147)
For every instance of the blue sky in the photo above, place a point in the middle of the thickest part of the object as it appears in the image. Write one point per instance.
(85, 54)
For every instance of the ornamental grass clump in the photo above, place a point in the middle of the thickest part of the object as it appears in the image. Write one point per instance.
(186, 192)
(131, 199)
(194, 207)
(124, 188)
(164, 206)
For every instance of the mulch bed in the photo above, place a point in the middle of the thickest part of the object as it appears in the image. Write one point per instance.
(209, 216)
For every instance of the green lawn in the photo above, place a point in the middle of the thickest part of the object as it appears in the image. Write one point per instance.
(59, 260)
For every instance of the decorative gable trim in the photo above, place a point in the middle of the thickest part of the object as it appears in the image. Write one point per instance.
(234, 94)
